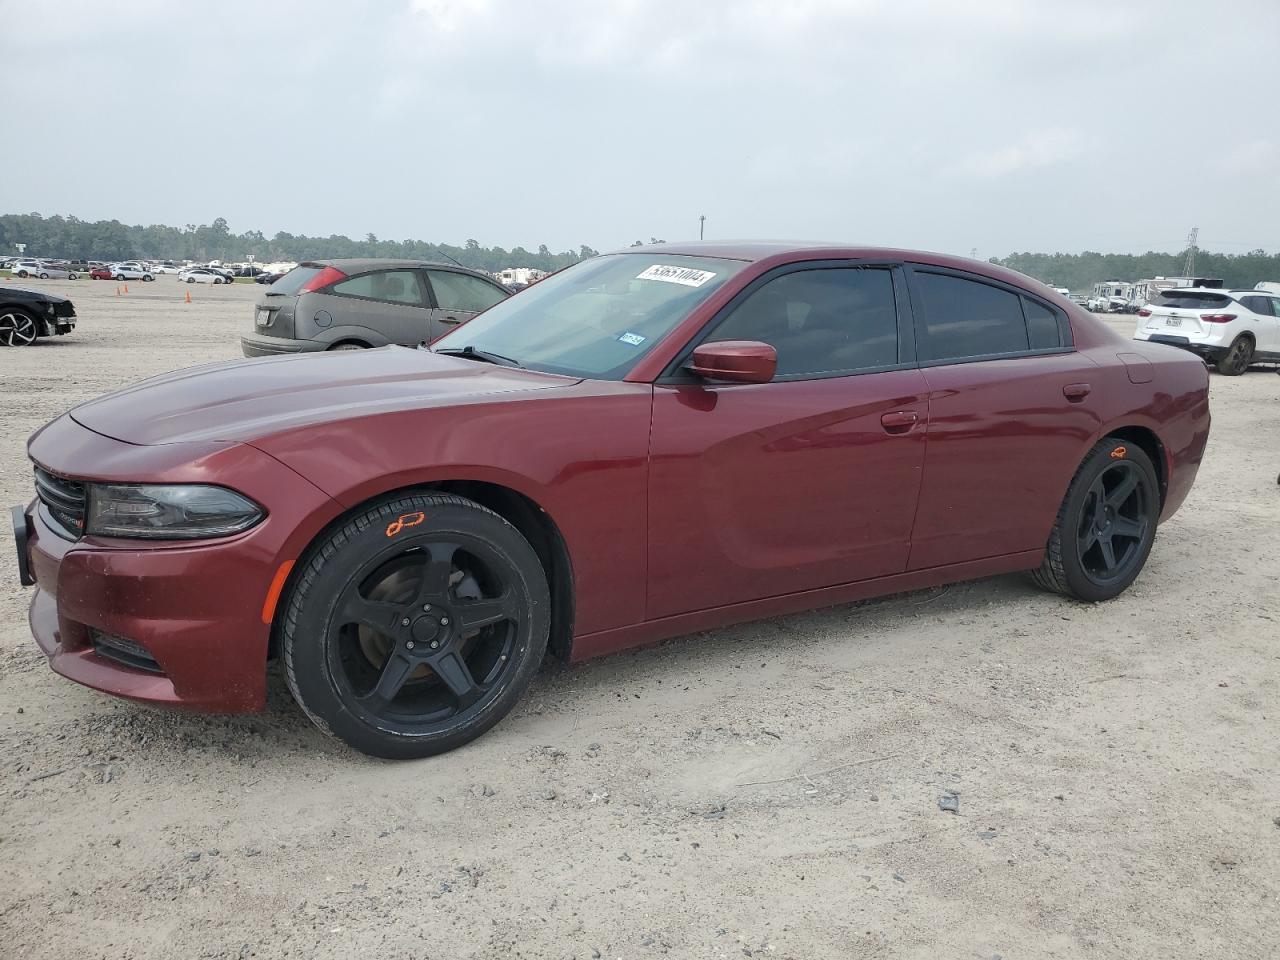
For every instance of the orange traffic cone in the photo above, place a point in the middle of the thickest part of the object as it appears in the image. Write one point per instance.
(126, 288)
(188, 296)
(117, 289)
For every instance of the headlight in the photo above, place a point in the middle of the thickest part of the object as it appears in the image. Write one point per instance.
(168, 512)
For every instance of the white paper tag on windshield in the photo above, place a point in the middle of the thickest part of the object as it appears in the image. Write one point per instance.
(685, 276)
(632, 338)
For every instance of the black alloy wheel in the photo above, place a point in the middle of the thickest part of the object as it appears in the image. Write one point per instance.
(1106, 525)
(1236, 360)
(416, 626)
(1113, 522)
(17, 328)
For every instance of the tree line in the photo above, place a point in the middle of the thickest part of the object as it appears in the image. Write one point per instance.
(1080, 271)
(72, 238)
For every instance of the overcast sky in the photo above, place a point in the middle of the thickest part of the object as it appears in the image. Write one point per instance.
(1000, 125)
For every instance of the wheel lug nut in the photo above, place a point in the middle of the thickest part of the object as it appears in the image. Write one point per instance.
(444, 621)
(404, 622)
(435, 644)
(409, 645)
(426, 608)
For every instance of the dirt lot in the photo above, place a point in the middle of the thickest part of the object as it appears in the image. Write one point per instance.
(1116, 766)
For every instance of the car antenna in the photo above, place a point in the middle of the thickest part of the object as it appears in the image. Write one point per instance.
(446, 256)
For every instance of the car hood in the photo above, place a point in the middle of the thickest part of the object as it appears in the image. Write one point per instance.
(16, 294)
(244, 400)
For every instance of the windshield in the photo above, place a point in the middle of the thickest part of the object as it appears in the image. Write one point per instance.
(597, 318)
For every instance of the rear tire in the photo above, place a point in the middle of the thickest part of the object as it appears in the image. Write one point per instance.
(416, 626)
(1237, 358)
(1106, 525)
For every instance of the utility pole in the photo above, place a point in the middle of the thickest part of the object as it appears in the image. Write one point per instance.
(1189, 267)
(973, 254)
(702, 223)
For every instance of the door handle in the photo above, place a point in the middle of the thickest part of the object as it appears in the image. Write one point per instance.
(450, 320)
(1075, 392)
(900, 421)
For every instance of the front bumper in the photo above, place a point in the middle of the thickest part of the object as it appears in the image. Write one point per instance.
(260, 346)
(196, 608)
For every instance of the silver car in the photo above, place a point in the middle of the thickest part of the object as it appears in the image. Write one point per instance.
(42, 270)
(353, 304)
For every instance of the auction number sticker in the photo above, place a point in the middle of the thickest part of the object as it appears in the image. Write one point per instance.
(685, 276)
(632, 338)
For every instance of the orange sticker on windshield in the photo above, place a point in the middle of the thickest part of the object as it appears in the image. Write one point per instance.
(1118, 453)
(407, 520)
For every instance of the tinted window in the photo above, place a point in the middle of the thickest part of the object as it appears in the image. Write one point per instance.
(393, 286)
(965, 318)
(1191, 299)
(1260, 305)
(457, 291)
(1042, 325)
(821, 321)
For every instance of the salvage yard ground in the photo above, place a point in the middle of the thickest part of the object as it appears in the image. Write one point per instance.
(774, 789)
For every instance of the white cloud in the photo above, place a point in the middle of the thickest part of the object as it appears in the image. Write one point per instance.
(1049, 147)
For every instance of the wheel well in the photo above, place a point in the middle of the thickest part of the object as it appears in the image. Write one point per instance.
(349, 342)
(1150, 444)
(534, 524)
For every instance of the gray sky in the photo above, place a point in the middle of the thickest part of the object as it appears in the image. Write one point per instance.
(997, 124)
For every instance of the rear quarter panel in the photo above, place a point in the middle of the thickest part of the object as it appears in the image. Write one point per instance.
(1173, 403)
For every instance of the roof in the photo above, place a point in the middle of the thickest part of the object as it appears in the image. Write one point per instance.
(784, 251)
(358, 264)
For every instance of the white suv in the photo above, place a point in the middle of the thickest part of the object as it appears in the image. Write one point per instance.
(131, 271)
(1229, 328)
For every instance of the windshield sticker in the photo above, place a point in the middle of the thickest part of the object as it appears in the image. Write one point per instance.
(685, 276)
(632, 338)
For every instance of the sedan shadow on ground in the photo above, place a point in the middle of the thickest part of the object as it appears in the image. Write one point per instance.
(282, 730)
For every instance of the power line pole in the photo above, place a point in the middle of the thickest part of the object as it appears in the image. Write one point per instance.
(1189, 267)
(702, 223)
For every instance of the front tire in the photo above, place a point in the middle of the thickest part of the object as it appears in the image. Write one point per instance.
(416, 626)
(44, 276)
(17, 328)
(1106, 525)
(1237, 358)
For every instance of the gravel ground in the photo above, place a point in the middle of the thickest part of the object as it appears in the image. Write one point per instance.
(776, 789)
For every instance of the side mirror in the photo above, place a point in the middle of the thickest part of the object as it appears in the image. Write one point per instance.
(736, 361)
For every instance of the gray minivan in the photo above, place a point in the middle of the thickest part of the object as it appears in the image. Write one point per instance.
(353, 304)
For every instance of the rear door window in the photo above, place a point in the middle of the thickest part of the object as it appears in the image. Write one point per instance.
(466, 294)
(1261, 305)
(967, 318)
(1043, 330)
(390, 286)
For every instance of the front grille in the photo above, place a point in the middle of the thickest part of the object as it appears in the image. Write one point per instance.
(65, 501)
(64, 309)
(124, 652)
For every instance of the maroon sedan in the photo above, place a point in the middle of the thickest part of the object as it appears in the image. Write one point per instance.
(653, 442)
(101, 273)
